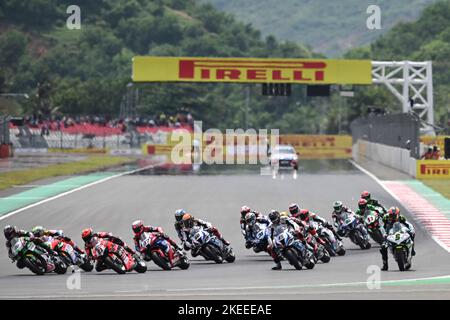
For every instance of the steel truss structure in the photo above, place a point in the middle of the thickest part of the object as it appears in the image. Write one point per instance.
(412, 84)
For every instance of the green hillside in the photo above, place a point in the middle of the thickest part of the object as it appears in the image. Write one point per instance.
(330, 27)
(86, 71)
(426, 39)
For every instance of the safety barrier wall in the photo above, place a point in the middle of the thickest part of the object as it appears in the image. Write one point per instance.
(394, 157)
(396, 130)
(161, 142)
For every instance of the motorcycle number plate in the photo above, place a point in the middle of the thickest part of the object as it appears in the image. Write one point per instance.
(145, 242)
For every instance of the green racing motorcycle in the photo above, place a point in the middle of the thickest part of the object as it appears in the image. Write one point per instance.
(35, 258)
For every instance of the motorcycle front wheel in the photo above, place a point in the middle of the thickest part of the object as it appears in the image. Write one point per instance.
(292, 257)
(160, 261)
(35, 263)
(213, 254)
(115, 263)
(400, 257)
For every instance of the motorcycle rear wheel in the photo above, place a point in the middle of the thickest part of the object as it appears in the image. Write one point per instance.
(326, 257)
(87, 265)
(184, 263)
(60, 266)
(341, 252)
(230, 258)
(141, 267)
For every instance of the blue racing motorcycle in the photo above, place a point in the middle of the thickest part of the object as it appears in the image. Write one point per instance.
(209, 246)
(292, 249)
(353, 229)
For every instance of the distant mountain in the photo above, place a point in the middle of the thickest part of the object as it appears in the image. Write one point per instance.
(329, 27)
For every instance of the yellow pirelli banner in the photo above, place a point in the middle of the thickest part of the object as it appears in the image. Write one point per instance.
(251, 70)
(320, 146)
(433, 169)
(308, 146)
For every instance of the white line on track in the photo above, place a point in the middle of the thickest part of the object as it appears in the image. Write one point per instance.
(46, 186)
(74, 190)
(259, 290)
(371, 175)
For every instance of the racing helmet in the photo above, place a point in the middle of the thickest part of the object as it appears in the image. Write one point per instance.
(244, 211)
(304, 215)
(179, 214)
(250, 218)
(274, 216)
(10, 232)
(337, 206)
(394, 213)
(38, 231)
(294, 208)
(137, 226)
(87, 234)
(188, 220)
(365, 195)
(362, 203)
(284, 214)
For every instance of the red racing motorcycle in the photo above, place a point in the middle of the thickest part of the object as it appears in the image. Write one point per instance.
(116, 257)
(69, 255)
(162, 252)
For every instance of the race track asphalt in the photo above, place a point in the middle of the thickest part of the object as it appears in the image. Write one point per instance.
(216, 197)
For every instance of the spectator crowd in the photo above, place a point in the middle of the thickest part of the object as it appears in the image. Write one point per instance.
(99, 124)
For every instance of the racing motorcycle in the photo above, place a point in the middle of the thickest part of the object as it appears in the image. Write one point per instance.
(28, 254)
(350, 227)
(157, 249)
(400, 243)
(292, 249)
(373, 226)
(69, 255)
(209, 246)
(261, 235)
(318, 249)
(333, 246)
(116, 257)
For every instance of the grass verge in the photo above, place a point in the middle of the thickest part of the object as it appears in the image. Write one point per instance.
(441, 186)
(92, 163)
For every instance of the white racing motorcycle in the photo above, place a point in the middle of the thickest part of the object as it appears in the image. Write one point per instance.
(400, 243)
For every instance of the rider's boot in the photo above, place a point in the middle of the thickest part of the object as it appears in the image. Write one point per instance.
(384, 256)
(277, 264)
